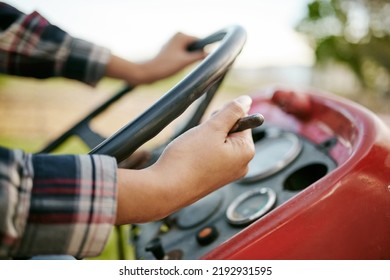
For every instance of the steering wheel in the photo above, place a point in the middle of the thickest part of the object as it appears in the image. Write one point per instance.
(206, 77)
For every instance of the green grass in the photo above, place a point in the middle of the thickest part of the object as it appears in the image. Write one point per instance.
(118, 245)
(73, 145)
(29, 145)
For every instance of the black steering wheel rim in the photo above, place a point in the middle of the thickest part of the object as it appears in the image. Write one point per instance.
(172, 104)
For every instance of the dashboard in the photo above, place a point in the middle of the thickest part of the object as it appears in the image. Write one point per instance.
(284, 165)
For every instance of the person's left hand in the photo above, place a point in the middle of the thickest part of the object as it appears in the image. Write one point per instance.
(173, 57)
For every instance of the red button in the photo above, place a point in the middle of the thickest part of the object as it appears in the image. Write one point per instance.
(207, 235)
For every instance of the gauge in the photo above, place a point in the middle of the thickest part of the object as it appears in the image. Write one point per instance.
(250, 206)
(274, 151)
(200, 211)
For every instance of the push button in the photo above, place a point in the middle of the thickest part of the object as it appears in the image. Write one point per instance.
(207, 235)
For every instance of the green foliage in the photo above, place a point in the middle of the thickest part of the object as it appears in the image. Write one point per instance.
(353, 32)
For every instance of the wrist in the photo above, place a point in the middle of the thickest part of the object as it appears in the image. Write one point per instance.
(138, 196)
(131, 72)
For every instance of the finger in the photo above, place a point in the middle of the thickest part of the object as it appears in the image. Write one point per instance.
(196, 55)
(187, 40)
(227, 117)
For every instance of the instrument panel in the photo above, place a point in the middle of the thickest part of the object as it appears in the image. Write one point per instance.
(284, 164)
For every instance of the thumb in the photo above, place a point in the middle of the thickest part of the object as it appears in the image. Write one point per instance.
(226, 118)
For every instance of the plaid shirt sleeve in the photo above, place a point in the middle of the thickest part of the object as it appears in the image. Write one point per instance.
(30, 46)
(55, 204)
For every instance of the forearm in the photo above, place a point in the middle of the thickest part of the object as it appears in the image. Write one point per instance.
(131, 72)
(154, 193)
(144, 195)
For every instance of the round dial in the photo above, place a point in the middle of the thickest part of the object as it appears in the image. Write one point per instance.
(273, 153)
(250, 206)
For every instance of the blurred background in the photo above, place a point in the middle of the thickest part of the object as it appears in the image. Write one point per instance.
(340, 46)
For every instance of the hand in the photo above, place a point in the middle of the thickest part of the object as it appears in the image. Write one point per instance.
(207, 157)
(173, 57)
(198, 162)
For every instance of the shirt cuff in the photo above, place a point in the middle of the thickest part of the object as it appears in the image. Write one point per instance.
(86, 61)
(73, 205)
(16, 174)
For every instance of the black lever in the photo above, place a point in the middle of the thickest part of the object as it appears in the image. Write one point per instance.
(244, 123)
(155, 247)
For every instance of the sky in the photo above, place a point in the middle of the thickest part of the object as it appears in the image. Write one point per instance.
(137, 29)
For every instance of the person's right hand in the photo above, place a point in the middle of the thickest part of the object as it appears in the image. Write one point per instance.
(198, 162)
(208, 157)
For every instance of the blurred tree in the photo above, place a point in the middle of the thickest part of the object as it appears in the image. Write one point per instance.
(353, 32)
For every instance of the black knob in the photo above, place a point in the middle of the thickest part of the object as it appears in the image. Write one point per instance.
(155, 247)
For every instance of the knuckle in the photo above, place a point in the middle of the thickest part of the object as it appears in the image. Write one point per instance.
(245, 170)
(236, 109)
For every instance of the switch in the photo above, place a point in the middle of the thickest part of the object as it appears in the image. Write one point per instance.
(155, 247)
(207, 235)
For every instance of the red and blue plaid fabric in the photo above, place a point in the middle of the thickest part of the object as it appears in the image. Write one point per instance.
(55, 204)
(52, 204)
(30, 46)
